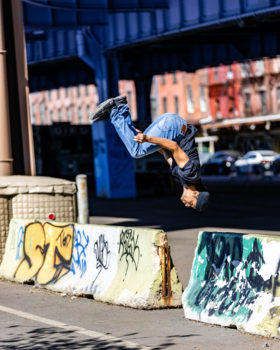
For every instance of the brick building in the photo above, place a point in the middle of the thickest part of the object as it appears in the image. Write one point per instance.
(182, 93)
(73, 104)
(244, 102)
(70, 105)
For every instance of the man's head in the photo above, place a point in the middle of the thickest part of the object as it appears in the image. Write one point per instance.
(198, 200)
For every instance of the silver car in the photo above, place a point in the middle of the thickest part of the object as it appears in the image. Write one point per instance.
(255, 162)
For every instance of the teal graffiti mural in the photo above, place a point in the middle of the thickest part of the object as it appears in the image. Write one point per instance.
(226, 279)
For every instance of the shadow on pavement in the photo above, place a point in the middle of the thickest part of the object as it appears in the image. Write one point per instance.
(240, 207)
(54, 339)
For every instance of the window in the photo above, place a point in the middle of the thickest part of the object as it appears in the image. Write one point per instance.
(263, 101)
(203, 107)
(154, 108)
(163, 81)
(50, 95)
(278, 93)
(216, 77)
(259, 68)
(190, 100)
(42, 112)
(68, 114)
(79, 91)
(247, 101)
(33, 114)
(66, 92)
(231, 106)
(250, 156)
(129, 97)
(80, 115)
(245, 70)
(58, 94)
(87, 90)
(51, 116)
(164, 101)
(176, 104)
(278, 97)
(88, 111)
(218, 109)
(174, 78)
(230, 74)
(59, 115)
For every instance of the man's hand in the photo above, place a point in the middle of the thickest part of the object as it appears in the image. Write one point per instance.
(140, 138)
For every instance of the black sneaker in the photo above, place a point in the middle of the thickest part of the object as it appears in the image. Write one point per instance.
(103, 110)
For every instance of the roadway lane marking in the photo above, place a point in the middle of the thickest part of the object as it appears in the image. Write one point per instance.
(83, 331)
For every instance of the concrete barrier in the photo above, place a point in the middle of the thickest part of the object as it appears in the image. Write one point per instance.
(119, 265)
(235, 282)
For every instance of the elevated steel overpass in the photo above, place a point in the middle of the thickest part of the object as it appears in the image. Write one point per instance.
(103, 42)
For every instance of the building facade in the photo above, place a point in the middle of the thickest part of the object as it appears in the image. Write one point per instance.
(244, 103)
(73, 104)
(182, 93)
(70, 105)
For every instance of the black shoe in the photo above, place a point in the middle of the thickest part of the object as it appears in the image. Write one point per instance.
(103, 110)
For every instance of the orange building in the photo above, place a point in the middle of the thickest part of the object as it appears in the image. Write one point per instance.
(182, 93)
(224, 91)
(127, 88)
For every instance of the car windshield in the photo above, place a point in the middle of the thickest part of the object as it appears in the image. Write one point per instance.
(219, 156)
(249, 156)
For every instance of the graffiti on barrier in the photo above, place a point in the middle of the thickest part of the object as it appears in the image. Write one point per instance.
(19, 242)
(102, 254)
(81, 242)
(47, 252)
(129, 248)
(240, 280)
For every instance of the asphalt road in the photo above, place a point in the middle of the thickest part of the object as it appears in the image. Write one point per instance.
(31, 318)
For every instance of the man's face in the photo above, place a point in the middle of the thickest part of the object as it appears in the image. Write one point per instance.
(189, 199)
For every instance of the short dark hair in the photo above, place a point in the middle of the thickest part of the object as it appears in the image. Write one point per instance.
(203, 200)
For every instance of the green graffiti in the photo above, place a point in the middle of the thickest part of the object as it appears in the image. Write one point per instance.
(225, 277)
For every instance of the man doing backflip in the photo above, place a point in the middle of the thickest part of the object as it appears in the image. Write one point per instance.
(171, 135)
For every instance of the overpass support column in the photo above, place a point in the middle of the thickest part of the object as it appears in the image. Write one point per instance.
(143, 91)
(114, 167)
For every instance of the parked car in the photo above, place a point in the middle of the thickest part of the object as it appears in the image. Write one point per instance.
(204, 157)
(255, 162)
(220, 163)
(275, 166)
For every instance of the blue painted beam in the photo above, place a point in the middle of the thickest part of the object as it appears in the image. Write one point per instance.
(56, 13)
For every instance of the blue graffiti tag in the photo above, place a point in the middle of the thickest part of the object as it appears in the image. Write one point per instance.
(81, 242)
(19, 242)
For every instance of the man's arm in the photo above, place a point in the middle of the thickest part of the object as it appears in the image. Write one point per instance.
(167, 155)
(178, 154)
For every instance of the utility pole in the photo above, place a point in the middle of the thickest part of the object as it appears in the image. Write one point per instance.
(6, 158)
(23, 89)
(16, 138)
